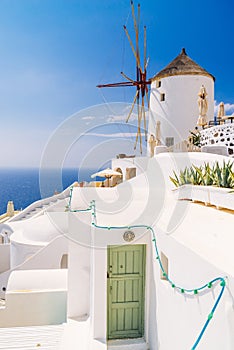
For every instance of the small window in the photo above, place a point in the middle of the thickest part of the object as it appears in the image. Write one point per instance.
(162, 97)
(169, 141)
(158, 84)
(164, 261)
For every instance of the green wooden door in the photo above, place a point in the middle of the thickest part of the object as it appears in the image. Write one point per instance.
(126, 270)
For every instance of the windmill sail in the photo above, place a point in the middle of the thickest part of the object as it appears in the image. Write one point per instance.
(141, 82)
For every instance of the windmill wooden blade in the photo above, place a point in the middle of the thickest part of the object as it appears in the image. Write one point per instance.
(132, 47)
(126, 77)
(138, 135)
(124, 83)
(139, 127)
(139, 117)
(136, 27)
(145, 49)
(138, 16)
(134, 17)
(137, 35)
(147, 62)
(144, 116)
(140, 82)
(134, 101)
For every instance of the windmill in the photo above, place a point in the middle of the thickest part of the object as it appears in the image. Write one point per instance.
(140, 82)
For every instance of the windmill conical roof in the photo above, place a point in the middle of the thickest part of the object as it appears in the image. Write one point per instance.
(182, 65)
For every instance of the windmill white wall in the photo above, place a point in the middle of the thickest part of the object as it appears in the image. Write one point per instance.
(179, 112)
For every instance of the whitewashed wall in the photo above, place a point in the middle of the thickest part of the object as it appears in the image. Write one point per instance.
(21, 252)
(87, 278)
(172, 321)
(179, 112)
(4, 257)
(31, 235)
(48, 257)
(33, 298)
(182, 317)
(79, 264)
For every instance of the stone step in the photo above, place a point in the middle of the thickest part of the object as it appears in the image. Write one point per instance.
(128, 344)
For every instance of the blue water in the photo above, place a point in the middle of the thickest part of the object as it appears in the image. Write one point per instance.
(22, 186)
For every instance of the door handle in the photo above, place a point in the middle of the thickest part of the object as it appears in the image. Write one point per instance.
(107, 274)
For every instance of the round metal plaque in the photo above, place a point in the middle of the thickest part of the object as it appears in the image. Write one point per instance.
(128, 236)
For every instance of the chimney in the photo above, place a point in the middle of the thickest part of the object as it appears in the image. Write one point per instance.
(10, 209)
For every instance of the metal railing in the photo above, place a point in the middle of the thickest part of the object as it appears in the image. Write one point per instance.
(221, 121)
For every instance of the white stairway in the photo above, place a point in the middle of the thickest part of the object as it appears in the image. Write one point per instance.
(31, 338)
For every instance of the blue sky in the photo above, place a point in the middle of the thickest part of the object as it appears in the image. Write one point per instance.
(55, 52)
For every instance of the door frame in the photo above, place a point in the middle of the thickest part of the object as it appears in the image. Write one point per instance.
(144, 275)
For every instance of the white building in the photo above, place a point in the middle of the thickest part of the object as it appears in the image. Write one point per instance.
(174, 98)
(145, 269)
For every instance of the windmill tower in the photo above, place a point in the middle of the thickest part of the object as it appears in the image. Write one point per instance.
(174, 98)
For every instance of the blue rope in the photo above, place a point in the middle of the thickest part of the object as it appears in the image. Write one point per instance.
(210, 316)
(182, 290)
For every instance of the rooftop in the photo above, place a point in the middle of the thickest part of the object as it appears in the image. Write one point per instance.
(182, 65)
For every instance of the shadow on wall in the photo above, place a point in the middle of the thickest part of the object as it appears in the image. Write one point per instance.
(64, 261)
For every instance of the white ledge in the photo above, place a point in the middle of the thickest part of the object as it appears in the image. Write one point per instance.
(217, 196)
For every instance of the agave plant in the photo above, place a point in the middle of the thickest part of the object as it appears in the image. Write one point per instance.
(175, 179)
(224, 176)
(206, 175)
(183, 178)
(196, 178)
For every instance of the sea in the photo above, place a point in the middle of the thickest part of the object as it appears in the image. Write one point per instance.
(25, 186)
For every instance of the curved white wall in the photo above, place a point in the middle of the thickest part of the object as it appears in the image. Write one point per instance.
(179, 112)
(20, 252)
(37, 280)
(48, 257)
(31, 235)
